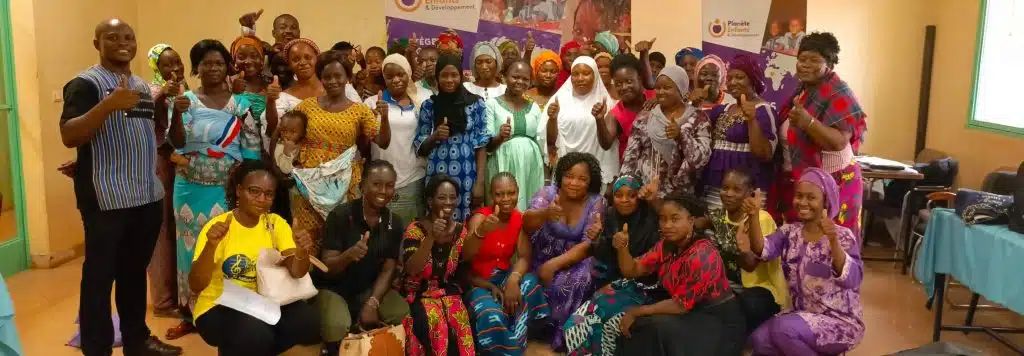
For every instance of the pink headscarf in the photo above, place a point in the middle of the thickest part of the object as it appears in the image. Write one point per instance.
(723, 69)
(829, 189)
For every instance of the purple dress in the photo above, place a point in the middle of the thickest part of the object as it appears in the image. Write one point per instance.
(730, 147)
(826, 315)
(574, 285)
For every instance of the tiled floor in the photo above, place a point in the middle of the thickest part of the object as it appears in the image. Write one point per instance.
(46, 302)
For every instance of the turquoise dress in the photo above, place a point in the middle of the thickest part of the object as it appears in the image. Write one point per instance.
(521, 154)
(9, 344)
(215, 141)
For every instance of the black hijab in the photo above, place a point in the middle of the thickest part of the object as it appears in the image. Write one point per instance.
(452, 105)
(643, 235)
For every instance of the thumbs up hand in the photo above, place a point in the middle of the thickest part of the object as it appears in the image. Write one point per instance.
(673, 129)
(553, 110)
(599, 109)
(531, 43)
(650, 190)
(358, 251)
(506, 130)
(594, 230)
(442, 132)
(237, 82)
(645, 46)
(699, 95)
(621, 238)
(752, 205)
(554, 211)
(123, 97)
(171, 88)
(490, 223)
(274, 90)
(219, 230)
(748, 107)
(382, 106)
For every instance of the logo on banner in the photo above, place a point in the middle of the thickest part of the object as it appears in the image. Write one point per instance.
(716, 28)
(408, 5)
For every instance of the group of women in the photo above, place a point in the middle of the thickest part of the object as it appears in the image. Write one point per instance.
(528, 202)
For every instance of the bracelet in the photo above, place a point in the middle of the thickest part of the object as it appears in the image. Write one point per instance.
(476, 233)
(373, 302)
(515, 274)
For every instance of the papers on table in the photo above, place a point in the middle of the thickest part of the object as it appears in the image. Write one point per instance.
(871, 161)
(246, 301)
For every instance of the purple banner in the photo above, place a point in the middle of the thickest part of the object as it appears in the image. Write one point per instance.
(779, 84)
(426, 34)
(487, 31)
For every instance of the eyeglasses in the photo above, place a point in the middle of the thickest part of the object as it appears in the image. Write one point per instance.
(257, 192)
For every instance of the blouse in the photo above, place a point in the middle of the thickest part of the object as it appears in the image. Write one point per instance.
(402, 120)
(440, 275)
(498, 246)
(692, 276)
(678, 173)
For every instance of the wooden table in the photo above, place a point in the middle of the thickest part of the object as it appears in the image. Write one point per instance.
(910, 175)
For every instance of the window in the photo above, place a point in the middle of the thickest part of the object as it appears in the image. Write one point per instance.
(997, 69)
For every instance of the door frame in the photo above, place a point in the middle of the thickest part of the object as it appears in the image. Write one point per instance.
(14, 253)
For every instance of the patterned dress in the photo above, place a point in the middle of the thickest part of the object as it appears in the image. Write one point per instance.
(572, 286)
(456, 156)
(730, 137)
(678, 173)
(328, 135)
(826, 305)
(438, 319)
(831, 104)
(199, 188)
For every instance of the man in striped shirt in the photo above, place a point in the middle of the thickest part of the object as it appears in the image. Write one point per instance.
(110, 118)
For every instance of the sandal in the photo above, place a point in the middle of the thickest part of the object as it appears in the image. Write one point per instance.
(180, 331)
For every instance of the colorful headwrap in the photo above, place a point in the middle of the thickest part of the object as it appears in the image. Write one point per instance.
(723, 69)
(543, 57)
(508, 44)
(449, 38)
(603, 55)
(568, 46)
(626, 180)
(246, 40)
(292, 43)
(608, 40)
(752, 68)
(154, 59)
(696, 52)
(829, 189)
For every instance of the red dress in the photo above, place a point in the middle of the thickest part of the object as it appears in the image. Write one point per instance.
(498, 246)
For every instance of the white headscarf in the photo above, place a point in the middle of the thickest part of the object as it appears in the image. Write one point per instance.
(489, 49)
(658, 120)
(577, 128)
(410, 87)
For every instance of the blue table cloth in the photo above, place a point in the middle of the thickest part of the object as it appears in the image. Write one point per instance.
(9, 344)
(988, 259)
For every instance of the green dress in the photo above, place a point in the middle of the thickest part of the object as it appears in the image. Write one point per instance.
(521, 154)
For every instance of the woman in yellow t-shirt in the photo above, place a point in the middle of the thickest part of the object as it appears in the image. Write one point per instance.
(227, 249)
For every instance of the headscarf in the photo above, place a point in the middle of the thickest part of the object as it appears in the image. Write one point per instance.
(246, 40)
(154, 59)
(449, 38)
(603, 55)
(576, 134)
(288, 46)
(608, 40)
(564, 74)
(696, 52)
(543, 57)
(485, 48)
(508, 44)
(658, 121)
(752, 68)
(829, 189)
(643, 235)
(723, 69)
(410, 87)
(452, 105)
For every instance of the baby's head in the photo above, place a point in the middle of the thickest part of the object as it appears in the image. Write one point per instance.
(293, 126)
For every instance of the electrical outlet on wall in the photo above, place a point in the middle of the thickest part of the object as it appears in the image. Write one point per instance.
(57, 96)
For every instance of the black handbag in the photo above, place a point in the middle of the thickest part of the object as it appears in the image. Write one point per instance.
(978, 207)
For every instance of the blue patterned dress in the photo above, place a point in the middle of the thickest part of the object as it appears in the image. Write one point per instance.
(213, 150)
(456, 156)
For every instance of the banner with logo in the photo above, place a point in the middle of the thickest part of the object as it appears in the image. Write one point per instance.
(550, 22)
(769, 30)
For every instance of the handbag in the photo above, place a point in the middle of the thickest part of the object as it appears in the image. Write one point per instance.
(275, 282)
(978, 207)
(385, 341)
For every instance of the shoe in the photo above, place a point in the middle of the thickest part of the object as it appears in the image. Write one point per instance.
(154, 347)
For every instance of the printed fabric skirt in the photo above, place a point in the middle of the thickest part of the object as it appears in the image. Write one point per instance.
(568, 290)
(194, 205)
(594, 328)
(438, 325)
(496, 333)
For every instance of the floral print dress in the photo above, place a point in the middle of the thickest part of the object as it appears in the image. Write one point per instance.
(679, 173)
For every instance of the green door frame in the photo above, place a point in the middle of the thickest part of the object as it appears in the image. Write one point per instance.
(14, 252)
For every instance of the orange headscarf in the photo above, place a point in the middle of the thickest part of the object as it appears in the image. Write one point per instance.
(543, 57)
(246, 40)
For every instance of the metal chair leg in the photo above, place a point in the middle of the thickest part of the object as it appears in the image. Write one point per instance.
(969, 306)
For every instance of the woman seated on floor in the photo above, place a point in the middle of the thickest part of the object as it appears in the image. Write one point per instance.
(432, 282)
(824, 270)
(594, 328)
(231, 243)
(702, 317)
(759, 286)
(506, 297)
(559, 217)
(360, 248)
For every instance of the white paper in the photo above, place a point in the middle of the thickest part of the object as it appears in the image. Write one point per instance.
(246, 301)
(872, 160)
